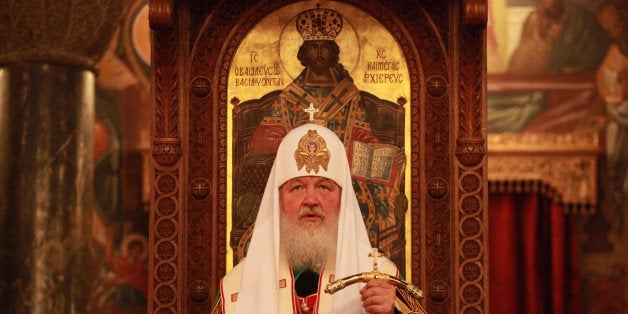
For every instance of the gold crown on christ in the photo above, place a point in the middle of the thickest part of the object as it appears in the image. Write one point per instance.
(319, 24)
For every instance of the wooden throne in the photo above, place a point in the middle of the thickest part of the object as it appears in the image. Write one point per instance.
(443, 44)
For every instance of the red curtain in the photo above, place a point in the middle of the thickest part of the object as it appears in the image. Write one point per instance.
(532, 255)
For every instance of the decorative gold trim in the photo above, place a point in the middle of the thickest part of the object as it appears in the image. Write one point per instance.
(565, 162)
(546, 143)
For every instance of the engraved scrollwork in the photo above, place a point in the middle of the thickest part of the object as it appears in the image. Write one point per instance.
(166, 206)
(166, 250)
(470, 204)
(471, 271)
(470, 182)
(471, 293)
(166, 184)
(471, 226)
(165, 272)
(471, 248)
(166, 228)
(165, 294)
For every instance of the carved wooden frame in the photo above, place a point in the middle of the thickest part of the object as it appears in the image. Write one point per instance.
(443, 43)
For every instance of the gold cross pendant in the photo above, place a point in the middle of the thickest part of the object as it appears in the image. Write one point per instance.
(375, 254)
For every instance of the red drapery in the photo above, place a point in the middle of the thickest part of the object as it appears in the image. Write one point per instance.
(532, 256)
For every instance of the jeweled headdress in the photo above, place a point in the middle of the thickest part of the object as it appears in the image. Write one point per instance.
(319, 24)
(312, 152)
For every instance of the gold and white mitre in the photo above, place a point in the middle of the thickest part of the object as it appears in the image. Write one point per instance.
(308, 150)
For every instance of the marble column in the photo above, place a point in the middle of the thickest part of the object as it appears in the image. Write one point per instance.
(48, 63)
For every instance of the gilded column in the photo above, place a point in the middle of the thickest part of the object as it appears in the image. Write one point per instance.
(48, 60)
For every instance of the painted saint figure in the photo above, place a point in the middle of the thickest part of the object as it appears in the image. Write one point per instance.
(559, 37)
(324, 93)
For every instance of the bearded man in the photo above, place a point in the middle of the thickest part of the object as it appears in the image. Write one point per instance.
(324, 93)
(308, 232)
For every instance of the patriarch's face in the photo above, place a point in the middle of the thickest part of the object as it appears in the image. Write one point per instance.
(311, 201)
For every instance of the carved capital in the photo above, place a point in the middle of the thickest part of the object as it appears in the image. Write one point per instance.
(167, 151)
(470, 151)
(160, 13)
(475, 13)
(75, 33)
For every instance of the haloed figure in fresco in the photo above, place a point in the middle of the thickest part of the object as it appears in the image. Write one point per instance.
(122, 287)
(324, 93)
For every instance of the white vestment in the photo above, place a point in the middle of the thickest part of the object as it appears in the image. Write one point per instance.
(263, 284)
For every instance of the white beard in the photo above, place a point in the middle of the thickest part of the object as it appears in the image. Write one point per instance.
(308, 247)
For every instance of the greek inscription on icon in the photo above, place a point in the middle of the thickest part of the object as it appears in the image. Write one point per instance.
(382, 70)
(258, 73)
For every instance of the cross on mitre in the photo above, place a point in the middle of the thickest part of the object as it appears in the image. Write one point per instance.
(311, 111)
(375, 254)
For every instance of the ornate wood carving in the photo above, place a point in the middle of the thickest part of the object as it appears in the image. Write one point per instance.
(445, 57)
(167, 233)
(471, 211)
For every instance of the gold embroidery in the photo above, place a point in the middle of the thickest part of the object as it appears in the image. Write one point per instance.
(312, 152)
